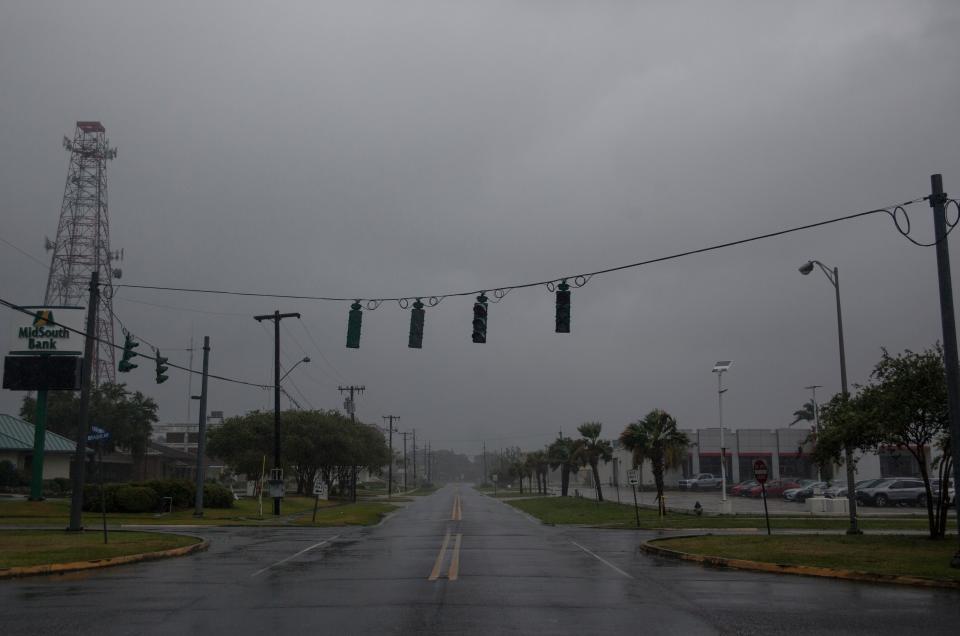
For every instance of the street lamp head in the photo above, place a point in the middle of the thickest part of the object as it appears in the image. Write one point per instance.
(806, 268)
(722, 365)
(305, 359)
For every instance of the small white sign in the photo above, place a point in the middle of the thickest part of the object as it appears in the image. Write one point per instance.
(48, 331)
(320, 489)
(633, 477)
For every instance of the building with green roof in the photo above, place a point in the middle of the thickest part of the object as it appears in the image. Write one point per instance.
(16, 447)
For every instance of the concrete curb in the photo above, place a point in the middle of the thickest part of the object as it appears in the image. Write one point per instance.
(781, 568)
(77, 566)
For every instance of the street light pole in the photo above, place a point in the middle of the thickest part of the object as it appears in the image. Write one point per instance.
(834, 277)
(816, 419)
(719, 368)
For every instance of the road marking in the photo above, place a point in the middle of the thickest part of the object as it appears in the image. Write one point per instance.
(457, 513)
(454, 570)
(435, 573)
(281, 561)
(602, 560)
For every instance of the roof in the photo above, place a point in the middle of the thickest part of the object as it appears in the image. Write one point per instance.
(16, 434)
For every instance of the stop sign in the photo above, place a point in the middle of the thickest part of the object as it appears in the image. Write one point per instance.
(760, 471)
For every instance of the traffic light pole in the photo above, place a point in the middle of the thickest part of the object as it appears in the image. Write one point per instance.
(276, 317)
(202, 429)
(80, 457)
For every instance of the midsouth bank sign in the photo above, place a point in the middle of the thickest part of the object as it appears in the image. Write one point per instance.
(48, 331)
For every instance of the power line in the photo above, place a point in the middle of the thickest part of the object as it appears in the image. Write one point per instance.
(80, 332)
(24, 252)
(892, 211)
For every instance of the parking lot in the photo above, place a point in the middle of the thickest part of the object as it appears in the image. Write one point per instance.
(710, 500)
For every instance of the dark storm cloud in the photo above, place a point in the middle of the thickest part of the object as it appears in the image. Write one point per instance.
(382, 149)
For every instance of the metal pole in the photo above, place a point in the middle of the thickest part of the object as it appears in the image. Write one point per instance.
(723, 453)
(404, 460)
(276, 402)
(414, 456)
(103, 493)
(766, 513)
(80, 457)
(938, 200)
(847, 451)
(636, 507)
(202, 429)
(39, 440)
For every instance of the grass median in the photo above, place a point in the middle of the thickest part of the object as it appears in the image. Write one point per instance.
(901, 555)
(363, 513)
(577, 511)
(56, 512)
(24, 548)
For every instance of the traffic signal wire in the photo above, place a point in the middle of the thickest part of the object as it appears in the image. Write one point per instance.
(80, 332)
(896, 212)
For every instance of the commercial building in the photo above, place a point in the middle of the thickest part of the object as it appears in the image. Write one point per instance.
(16, 447)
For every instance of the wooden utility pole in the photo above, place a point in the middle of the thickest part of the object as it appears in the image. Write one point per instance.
(390, 430)
(351, 407)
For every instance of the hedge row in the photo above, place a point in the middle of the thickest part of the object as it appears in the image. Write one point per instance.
(148, 496)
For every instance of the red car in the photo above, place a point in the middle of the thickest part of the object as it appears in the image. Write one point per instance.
(743, 488)
(775, 488)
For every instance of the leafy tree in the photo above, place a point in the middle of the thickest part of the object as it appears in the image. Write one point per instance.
(903, 406)
(591, 450)
(129, 417)
(313, 443)
(561, 454)
(539, 464)
(907, 400)
(656, 438)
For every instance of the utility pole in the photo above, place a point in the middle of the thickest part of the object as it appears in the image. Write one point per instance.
(404, 433)
(351, 408)
(391, 418)
(80, 458)
(276, 317)
(429, 464)
(202, 429)
(938, 201)
(484, 482)
(414, 458)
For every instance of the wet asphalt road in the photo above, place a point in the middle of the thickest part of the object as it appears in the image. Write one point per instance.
(456, 562)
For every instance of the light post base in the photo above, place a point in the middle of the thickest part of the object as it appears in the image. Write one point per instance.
(726, 507)
(955, 561)
(853, 531)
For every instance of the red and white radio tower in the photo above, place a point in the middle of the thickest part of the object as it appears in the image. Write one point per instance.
(83, 240)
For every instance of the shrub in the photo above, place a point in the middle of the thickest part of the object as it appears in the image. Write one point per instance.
(181, 491)
(217, 496)
(131, 498)
(9, 477)
(91, 497)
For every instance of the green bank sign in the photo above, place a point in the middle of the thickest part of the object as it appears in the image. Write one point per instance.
(49, 331)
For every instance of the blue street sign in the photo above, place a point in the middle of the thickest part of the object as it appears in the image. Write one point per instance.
(97, 434)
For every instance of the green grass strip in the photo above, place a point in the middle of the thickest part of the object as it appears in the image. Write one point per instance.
(877, 554)
(22, 548)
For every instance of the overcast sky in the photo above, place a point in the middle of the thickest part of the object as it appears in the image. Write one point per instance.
(370, 149)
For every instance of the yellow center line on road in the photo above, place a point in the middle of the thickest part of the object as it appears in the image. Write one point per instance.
(454, 570)
(435, 573)
(457, 513)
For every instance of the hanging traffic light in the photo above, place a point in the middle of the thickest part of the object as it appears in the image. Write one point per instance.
(129, 345)
(563, 307)
(161, 368)
(354, 322)
(416, 326)
(480, 319)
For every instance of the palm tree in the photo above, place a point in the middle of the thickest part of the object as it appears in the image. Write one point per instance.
(656, 438)
(560, 454)
(591, 449)
(807, 413)
(538, 464)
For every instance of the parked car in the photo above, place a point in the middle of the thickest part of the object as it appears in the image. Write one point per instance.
(805, 491)
(774, 488)
(897, 492)
(703, 481)
(935, 486)
(839, 488)
(741, 489)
